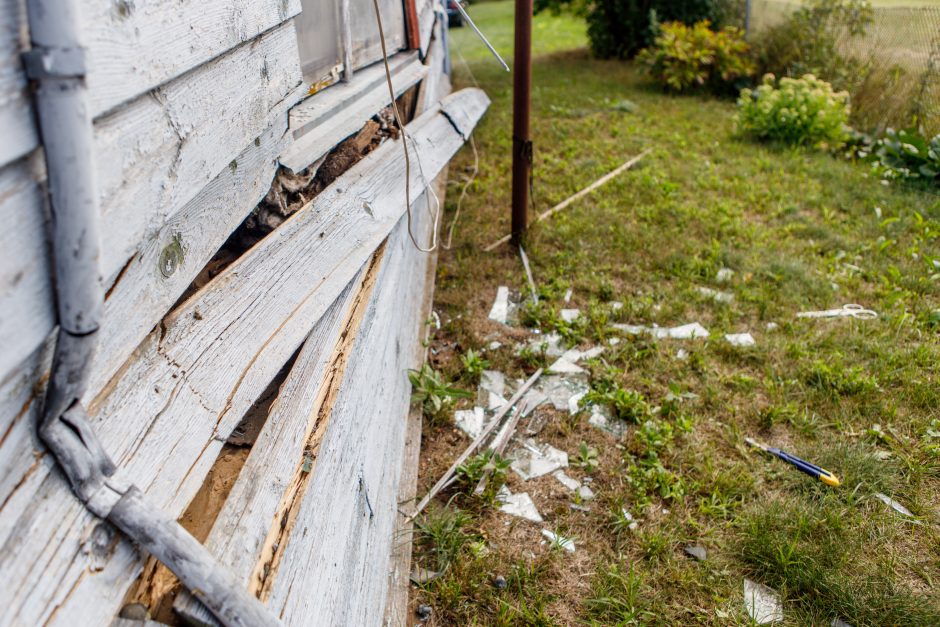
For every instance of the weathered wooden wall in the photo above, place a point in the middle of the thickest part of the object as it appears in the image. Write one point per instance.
(191, 104)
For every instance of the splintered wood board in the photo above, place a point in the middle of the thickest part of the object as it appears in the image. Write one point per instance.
(165, 415)
(164, 163)
(320, 123)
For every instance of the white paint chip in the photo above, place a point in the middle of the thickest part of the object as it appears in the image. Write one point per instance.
(574, 403)
(568, 294)
(762, 603)
(586, 493)
(682, 354)
(740, 339)
(500, 310)
(570, 315)
(520, 505)
(724, 275)
(772, 326)
(690, 331)
(565, 543)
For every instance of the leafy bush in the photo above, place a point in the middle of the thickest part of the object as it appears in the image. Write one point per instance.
(805, 111)
(621, 28)
(906, 154)
(685, 57)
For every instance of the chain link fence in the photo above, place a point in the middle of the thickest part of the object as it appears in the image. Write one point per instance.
(898, 58)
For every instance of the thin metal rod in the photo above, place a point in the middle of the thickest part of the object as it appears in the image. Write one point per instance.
(475, 444)
(521, 100)
(482, 37)
(629, 163)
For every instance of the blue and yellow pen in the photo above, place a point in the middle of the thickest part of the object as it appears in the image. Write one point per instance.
(801, 464)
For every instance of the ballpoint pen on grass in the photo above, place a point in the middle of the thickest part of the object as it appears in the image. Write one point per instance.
(801, 464)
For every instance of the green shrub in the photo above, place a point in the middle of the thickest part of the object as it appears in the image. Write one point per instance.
(803, 111)
(685, 57)
(906, 154)
(621, 28)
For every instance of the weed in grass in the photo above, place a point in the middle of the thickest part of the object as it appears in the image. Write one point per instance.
(429, 389)
(616, 597)
(627, 405)
(473, 364)
(441, 534)
(586, 459)
(531, 358)
(835, 379)
(472, 471)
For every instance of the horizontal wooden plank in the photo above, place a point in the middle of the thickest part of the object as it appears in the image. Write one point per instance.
(16, 119)
(164, 162)
(155, 155)
(334, 567)
(26, 294)
(165, 415)
(134, 47)
(319, 128)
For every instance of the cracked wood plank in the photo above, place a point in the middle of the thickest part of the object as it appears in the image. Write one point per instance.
(334, 567)
(165, 415)
(164, 162)
(329, 117)
(260, 509)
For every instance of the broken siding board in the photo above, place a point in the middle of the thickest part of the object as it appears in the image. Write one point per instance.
(156, 154)
(166, 414)
(163, 163)
(273, 474)
(334, 570)
(323, 129)
(134, 47)
(426, 21)
(17, 126)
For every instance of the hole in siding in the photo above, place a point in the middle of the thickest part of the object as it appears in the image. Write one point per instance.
(153, 594)
(289, 192)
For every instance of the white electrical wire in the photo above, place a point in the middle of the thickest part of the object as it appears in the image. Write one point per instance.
(436, 213)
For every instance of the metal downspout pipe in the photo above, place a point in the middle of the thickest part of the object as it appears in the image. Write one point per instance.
(57, 63)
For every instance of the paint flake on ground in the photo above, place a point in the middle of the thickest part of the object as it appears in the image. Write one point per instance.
(762, 603)
(499, 312)
(520, 505)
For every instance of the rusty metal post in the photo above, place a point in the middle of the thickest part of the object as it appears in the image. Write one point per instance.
(521, 97)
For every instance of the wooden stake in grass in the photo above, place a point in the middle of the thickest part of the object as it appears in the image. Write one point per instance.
(475, 444)
(584, 192)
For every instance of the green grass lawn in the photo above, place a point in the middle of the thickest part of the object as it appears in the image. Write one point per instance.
(801, 230)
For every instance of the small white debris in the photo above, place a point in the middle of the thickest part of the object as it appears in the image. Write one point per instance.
(568, 294)
(494, 345)
(629, 517)
(724, 275)
(559, 389)
(845, 311)
(586, 493)
(563, 366)
(696, 551)
(494, 401)
(551, 342)
(578, 508)
(519, 505)
(890, 502)
(500, 310)
(493, 381)
(569, 482)
(574, 403)
(715, 295)
(591, 353)
(762, 603)
(838, 622)
(532, 399)
(570, 315)
(613, 341)
(601, 418)
(689, 331)
(616, 305)
(470, 421)
(772, 326)
(565, 543)
(878, 212)
(531, 460)
(437, 320)
(682, 354)
(740, 339)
